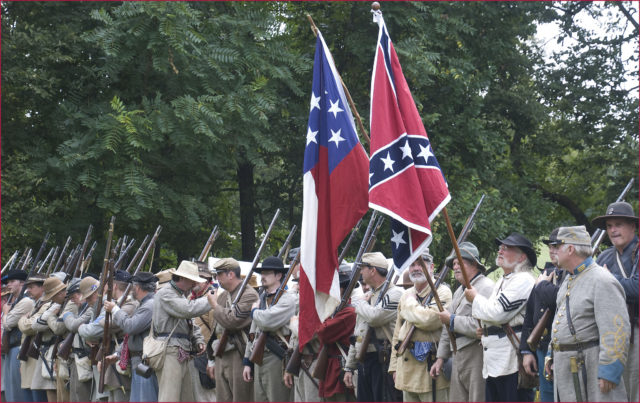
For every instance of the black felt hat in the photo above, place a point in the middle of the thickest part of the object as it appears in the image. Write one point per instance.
(616, 210)
(521, 242)
(271, 263)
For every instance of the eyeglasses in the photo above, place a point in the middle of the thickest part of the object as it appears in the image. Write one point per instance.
(506, 247)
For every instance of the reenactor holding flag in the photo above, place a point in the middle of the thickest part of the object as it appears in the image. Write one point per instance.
(236, 320)
(409, 368)
(268, 384)
(467, 384)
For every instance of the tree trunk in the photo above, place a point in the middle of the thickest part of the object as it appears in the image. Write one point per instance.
(247, 212)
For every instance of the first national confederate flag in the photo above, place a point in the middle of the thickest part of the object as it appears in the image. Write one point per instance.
(334, 192)
(405, 180)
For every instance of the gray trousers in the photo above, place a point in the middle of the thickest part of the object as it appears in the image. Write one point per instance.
(630, 374)
(442, 395)
(11, 374)
(268, 385)
(230, 387)
(78, 391)
(467, 384)
(199, 392)
(305, 390)
(142, 389)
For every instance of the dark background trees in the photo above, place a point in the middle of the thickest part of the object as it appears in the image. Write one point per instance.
(193, 114)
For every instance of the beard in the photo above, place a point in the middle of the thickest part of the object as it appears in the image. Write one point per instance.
(417, 277)
(505, 263)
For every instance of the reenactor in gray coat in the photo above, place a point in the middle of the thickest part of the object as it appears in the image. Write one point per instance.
(80, 371)
(621, 260)
(172, 321)
(10, 364)
(374, 382)
(590, 336)
(136, 327)
(467, 384)
(230, 386)
(28, 367)
(268, 385)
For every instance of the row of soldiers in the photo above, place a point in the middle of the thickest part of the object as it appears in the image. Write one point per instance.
(192, 333)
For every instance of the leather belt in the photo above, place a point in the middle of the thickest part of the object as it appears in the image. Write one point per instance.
(576, 346)
(498, 331)
(175, 335)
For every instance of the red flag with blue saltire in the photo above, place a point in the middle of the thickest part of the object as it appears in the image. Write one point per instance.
(335, 192)
(405, 179)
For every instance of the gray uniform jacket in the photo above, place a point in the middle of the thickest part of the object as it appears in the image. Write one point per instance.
(94, 330)
(23, 307)
(274, 318)
(136, 325)
(171, 307)
(598, 313)
(55, 322)
(462, 324)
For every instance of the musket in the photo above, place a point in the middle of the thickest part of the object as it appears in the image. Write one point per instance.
(62, 254)
(103, 279)
(87, 260)
(123, 254)
(598, 235)
(56, 339)
(354, 231)
(116, 250)
(287, 242)
(225, 335)
(208, 244)
(53, 260)
(85, 244)
(444, 271)
(258, 346)
(152, 244)
(320, 369)
(44, 261)
(106, 336)
(135, 257)
(22, 258)
(9, 264)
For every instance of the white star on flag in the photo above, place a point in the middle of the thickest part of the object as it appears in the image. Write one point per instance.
(335, 108)
(406, 150)
(315, 102)
(398, 238)
(311, 136)
(388, 162)
(425, 152)
(335, 137)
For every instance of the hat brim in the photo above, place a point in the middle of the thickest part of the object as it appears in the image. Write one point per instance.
(601, 222)
(47, 296)
(467, 256)
(531, 254)
(29, 282)
(189, 277)
(259, 270)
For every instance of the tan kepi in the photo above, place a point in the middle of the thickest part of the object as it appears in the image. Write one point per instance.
(189, 270)
(574, 235)
(88, 286)
(375, 259)
(225, 264)
(52, 286)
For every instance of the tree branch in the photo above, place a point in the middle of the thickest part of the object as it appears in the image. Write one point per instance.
(567, 203)
(627, 14)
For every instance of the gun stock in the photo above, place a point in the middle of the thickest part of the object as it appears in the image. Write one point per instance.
(536, 334)
(222, 344)
(293, 366)
(320, 370)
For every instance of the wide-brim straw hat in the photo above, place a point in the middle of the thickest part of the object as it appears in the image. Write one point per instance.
(52, 286)
(189, 270)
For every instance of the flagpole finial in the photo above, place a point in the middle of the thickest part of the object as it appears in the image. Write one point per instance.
(375, 10)
(375, 6)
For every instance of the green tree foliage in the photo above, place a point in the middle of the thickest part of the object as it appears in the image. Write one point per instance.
(193, 114)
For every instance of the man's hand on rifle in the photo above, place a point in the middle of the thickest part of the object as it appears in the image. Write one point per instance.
(246, 374)
(544, 277)
(201, 348)
(348, 379)
(287, 378)
(605, 386)
(479, 332)
(436, 368)
(108, 360)
(445, 317)
(470, 294)
(212, 297)
(530, 364)
(108, 305)
(211, 372)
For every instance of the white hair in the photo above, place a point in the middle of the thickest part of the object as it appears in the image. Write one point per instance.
(581, 250)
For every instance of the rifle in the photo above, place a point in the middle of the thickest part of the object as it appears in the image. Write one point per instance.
(44, 262)
(56, 340)
(207, 245)
(53, 260)
(320, 370)
(152, 244)
(106, 336)
(103, 279)
(293, 366)
(85, 244)
(138, 253)
(258, 346)
(21, 261)
(225, 335)
(22, 355)
(287, 242)
(9, 264)
(86, 261)
(61, 257)
(536, 334)
(123, 254)
(444, 271)
(598, 235)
